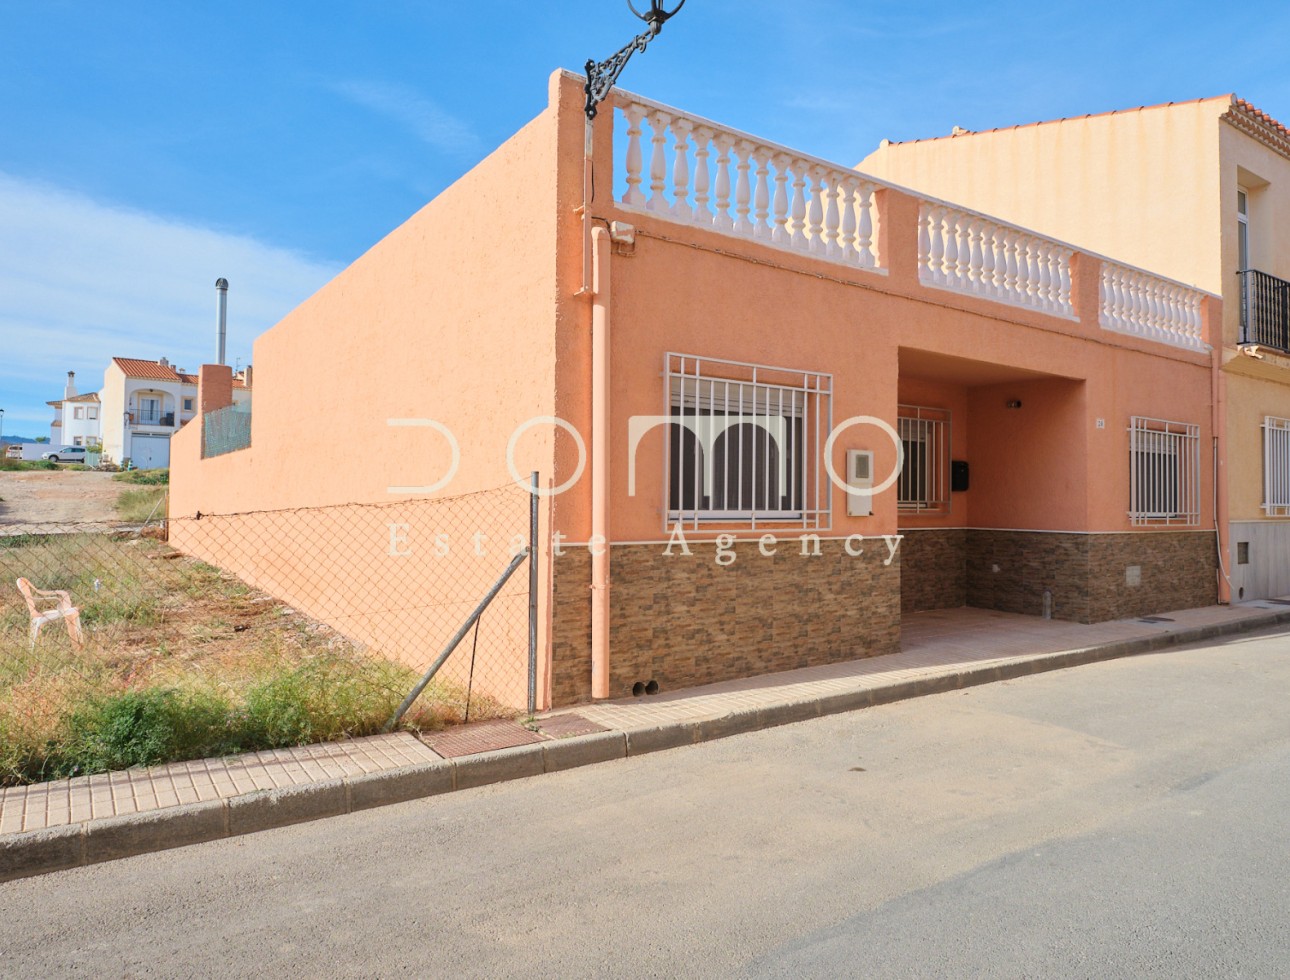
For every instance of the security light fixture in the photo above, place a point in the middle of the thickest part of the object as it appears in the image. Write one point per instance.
(602, 75)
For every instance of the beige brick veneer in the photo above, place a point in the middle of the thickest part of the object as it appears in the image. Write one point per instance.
(683, 621)
(933, 569)
(1086, 573)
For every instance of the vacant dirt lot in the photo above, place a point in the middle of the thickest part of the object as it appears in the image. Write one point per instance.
(55, 496)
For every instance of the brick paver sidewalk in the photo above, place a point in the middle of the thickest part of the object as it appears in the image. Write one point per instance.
(936, 644)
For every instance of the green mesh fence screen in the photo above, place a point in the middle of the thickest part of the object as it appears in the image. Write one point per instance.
(226, 430)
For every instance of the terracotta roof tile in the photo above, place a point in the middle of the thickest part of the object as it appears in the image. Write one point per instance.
(90, 396)
(1260, 115)
(1256, 123)
(145, 370)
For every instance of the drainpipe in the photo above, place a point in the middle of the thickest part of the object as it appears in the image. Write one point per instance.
(600, 244)
(1218, 398)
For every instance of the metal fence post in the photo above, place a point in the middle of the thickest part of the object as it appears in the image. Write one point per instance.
(533, 591)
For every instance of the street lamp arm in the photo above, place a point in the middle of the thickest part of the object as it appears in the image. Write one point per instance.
(603, 75)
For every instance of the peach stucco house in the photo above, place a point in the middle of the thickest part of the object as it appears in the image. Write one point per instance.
(1195, 190)
(734, 338)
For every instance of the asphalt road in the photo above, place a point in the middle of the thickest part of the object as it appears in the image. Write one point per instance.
(1121, 819)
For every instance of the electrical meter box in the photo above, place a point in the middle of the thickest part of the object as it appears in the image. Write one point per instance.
(859, 477)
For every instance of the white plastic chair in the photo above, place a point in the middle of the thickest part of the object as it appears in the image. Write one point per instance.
(64, 610)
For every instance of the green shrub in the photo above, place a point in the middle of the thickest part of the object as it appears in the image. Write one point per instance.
(147, 478)
(145, 728)
(140, 504)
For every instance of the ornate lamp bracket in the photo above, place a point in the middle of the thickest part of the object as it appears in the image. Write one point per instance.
(603, 75)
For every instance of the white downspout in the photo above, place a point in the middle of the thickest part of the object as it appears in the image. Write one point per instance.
(600, 462)
(1222, 535)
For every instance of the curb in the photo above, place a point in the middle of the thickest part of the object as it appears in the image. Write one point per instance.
(37, 852)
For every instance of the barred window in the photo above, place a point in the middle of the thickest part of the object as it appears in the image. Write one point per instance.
(746, 446)
(1164, 472)
(924, 485)
(1276, 467)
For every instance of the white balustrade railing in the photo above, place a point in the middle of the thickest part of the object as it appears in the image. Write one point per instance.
(707, 175)
(970, 253)
(1138, 303)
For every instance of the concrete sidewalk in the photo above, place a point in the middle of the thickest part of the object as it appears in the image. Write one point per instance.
(71, 822)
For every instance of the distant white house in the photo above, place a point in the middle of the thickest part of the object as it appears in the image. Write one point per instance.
(145, 402)
(77, 420)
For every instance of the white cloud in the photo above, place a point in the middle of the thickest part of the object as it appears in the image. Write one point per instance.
(82, 282)
(415, 113)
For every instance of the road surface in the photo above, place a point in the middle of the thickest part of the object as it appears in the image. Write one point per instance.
(1121, 819)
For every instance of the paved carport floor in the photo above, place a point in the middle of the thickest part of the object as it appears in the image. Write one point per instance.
(932, 643)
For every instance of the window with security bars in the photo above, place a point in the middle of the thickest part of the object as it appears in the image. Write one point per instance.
(924, 483)
(1276, 467)
(745, 444)
(1164, 472)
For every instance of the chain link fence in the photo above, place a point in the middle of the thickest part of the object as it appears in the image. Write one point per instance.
(284, 627)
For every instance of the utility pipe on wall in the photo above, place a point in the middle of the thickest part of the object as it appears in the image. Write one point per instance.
(600, 462)
(1218, 398)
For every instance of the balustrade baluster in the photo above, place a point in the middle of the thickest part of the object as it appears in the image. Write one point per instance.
(743, 189)
(936, 256)
(924, 241)
(723, 142)
(989, 287)
(815, 186)
(850, 192)
(635, 159)
(1032, 271)
(974, 255)
(951, 248)
(798, 213)
(1065, 281)
(964, 277)
(832, 218)
(762, 226)
(658, 160)
(1010, 265)
(702, 175)
(781, 235)
(1046, 279)
(681, 207)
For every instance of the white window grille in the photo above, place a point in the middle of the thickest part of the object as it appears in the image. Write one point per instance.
(1276, 467)
(924, 484)
(1164, 472)
(747, 444)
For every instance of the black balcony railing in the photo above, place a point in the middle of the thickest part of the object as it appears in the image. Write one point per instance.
(1265, 310)
(153, 418)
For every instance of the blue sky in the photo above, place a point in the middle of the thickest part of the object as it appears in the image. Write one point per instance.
(147, 148)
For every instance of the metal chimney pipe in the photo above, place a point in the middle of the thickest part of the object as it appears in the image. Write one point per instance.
(221, 318)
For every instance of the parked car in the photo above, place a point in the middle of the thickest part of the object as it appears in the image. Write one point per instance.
(14, 451)
(68, 454)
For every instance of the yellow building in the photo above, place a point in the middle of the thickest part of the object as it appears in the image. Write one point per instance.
(1198, 191)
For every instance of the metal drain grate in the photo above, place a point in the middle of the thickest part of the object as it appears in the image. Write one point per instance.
(482, 737)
